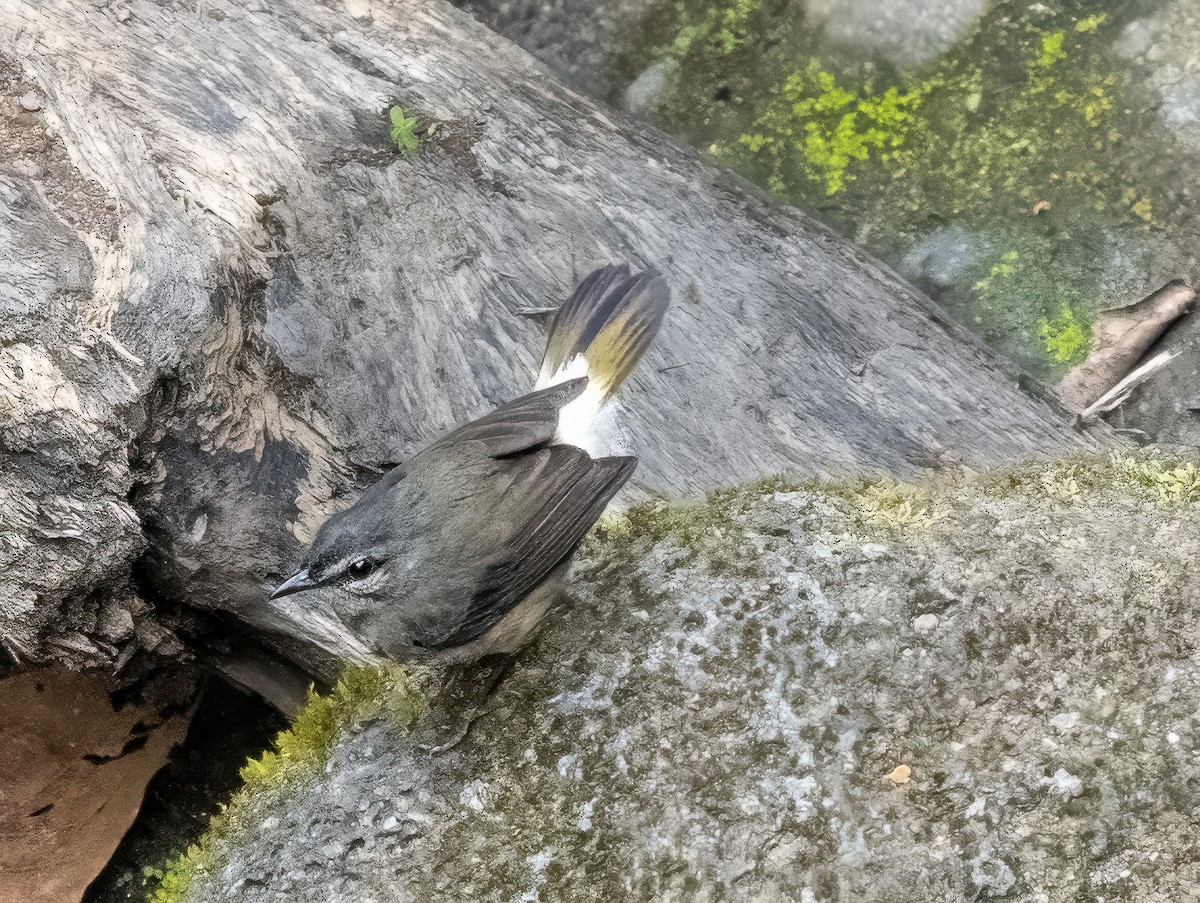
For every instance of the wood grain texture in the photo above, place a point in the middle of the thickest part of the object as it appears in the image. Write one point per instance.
(229, 300)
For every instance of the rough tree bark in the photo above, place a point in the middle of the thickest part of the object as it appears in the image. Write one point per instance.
(228, 300)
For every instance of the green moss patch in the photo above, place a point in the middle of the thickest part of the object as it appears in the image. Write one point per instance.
(815, 130)
(882, 506)
(390, 692)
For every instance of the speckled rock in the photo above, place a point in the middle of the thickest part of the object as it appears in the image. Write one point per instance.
(1162, 47)
(941, 258)
(985, 690)
(579, 39)
(906, 33)
(652, 88)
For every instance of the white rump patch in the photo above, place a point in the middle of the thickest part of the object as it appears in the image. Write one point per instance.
(584, 422)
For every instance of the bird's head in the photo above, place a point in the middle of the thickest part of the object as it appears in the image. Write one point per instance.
(354, 551)
(349, 575)
(346, 555)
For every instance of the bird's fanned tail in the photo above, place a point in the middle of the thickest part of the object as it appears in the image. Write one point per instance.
(605, 327)
(464, 546)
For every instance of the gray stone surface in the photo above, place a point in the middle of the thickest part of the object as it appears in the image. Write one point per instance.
(579, 39)
(906, 33)
(981, 691)
(942, 258)
(651, 88)
(1163, 49)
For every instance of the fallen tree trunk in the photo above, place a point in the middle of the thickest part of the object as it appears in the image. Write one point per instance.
(230, 300)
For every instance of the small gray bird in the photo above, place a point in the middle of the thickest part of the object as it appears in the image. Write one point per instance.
(461, 551)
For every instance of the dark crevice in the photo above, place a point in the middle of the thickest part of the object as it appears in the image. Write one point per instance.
(228, 727)
(229, 724)
(458, 140)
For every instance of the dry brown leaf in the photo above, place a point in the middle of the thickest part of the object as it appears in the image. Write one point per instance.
(901, 774)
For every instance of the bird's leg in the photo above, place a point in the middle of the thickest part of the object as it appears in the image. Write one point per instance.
(503, 668)
(500, 671)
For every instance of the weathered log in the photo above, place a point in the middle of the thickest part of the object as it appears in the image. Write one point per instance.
(1165, 405)
(1119, 394)
(230, 300)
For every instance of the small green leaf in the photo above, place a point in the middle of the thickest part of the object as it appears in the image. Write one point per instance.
(403, 130)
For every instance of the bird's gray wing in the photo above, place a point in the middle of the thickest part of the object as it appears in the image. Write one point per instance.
(521, 424)
(552, 503)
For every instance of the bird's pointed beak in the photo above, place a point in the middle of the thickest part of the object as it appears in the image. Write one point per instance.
(297, 582)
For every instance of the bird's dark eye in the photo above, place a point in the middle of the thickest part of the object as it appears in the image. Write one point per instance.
(361, 568)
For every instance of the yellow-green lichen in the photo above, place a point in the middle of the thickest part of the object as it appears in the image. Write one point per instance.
(1091, 23)
(387, 691)
(723, 27)
(897, 507)
(1023, 294)
(1052, 49)
(815, 128)
(1033, 113)
(1152, 477)
(1169, 480)
(1067, 335)
(881, 504)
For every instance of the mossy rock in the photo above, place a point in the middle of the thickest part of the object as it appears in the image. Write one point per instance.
(980, 686)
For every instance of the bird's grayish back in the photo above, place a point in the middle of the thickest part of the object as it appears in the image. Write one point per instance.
(442, 550)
